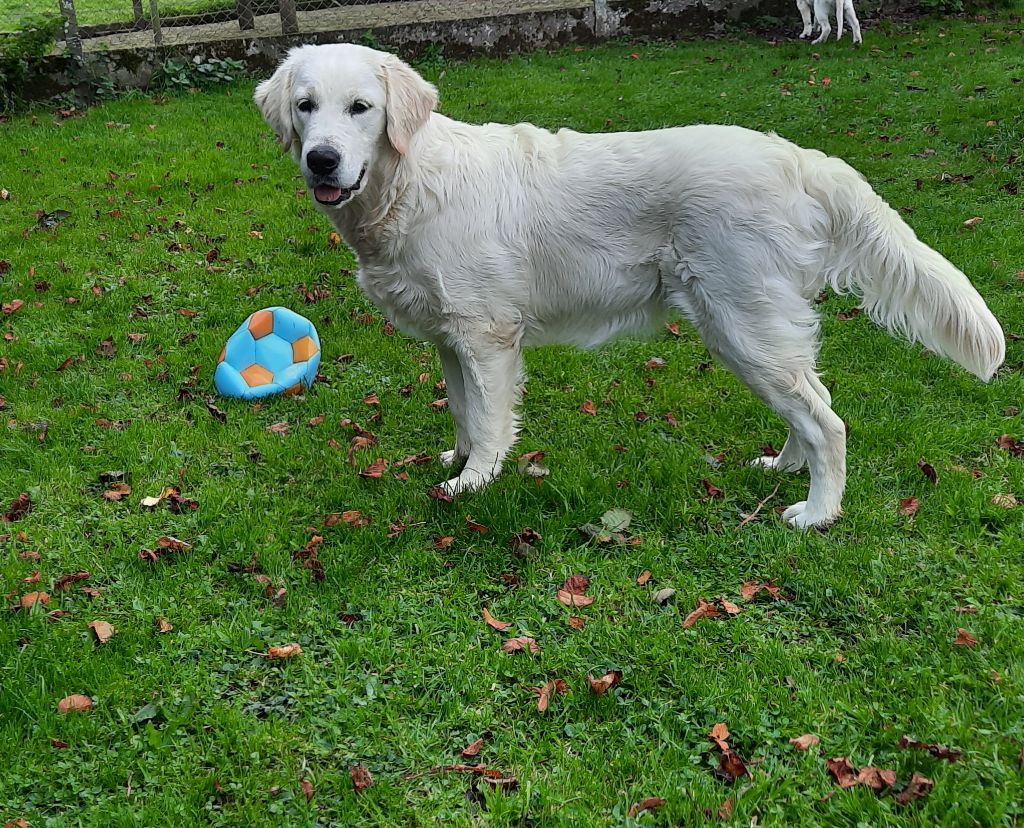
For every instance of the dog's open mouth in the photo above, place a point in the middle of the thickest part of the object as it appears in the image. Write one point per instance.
(333, 196)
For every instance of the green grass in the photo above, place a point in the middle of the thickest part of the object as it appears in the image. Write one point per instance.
(194, 727)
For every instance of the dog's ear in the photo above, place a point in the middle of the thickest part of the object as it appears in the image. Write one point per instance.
(410, 100)
(273, 97)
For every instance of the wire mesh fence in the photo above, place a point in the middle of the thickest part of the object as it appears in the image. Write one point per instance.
(94, 25)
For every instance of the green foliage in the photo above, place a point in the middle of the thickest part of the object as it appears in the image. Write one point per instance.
(21, 51)
(176, 73)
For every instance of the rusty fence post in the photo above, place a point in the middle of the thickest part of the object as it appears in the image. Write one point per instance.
(71, 36)
(289, 19)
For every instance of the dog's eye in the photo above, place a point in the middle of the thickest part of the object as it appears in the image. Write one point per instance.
(305, 106)
(359, 107)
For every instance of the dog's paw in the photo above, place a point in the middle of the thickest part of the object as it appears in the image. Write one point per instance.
(469, 481)
(449, 458)
(800, 517)
(777, 463)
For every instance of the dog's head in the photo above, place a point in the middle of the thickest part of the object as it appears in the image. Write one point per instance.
(337, 107)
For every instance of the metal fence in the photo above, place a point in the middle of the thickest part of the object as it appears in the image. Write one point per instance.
(96, 25)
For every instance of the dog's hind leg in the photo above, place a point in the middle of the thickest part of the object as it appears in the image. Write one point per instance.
(804, 8)
(770, 344)
(456, 389)
(851, 18)
(491, 368)
(792, 457)
(821, 11)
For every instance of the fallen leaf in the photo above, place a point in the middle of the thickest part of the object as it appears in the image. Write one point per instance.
(601, 685)
(843, 772)
(909, 506)
(703, 610)
(74, 703)
(728, 606)
(60, 744)
(719, 735)
(808, 740)
(163, 626)
(616, 520)
(577, 622)
(643, 577)
(519, 644)
(570, 599)
(655, 362)
(1008, 443)
(502, 783)
(32, 578)
(973, 222)
(106, 348)
(652, 803)
(30, 599)
(472, 749)
(444, 542)
(307, 789)
(547, 691)
(877, 779)
(529, 466)
(117, 492)
(588, 407)
(65, 581)
(1005, 501)
(353, 518)
(284, 651)
(474, 526)
(278, 428)
(173, 544)
(494, 623)
(928, 470)
(964, 639)
(938, 751)
(20, 506)
(917, 788)
(102, 631)
(371, 399)
(725, 809)
(663, 596)
(375, 469)
(731, 765)
(576, 584)
(361, 779)
(712, 490)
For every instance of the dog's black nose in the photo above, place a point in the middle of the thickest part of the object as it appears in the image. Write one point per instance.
(322, 160)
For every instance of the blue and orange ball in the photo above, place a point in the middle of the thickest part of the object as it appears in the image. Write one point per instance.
(274, 351)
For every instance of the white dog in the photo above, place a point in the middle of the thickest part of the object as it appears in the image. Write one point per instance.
(483, 239)
(822, 13)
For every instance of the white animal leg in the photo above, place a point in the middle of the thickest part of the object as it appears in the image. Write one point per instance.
(851, 17)
(490, 370)
(804, 8)
(821, 10)
(455, 387)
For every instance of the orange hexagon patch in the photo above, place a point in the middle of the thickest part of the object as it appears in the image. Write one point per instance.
(303, 349)
(261, 323)
(223, 352)
(298, 388)
(256, 375)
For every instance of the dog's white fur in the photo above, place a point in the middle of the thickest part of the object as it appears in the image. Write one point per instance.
(484, 239)
(822, 12)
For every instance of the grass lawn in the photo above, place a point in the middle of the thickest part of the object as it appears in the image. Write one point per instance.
(184, 218)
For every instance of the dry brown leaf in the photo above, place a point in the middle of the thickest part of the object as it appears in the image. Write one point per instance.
(102, 631)
(588, 407)
(284, 651)
(474, 526)
(577, 622)
(973, 222)
(643, 578)
(938, 751)
(279, 428)
(601, 685)
(163, 626)
(375, 469)
(576, 584)
(928, 470)
(20, 506)
(444, 543)
(731, 765)
(719, 735)
(547, 691)
(361, 779)
(703, 610)
(572, 600)
(307, 789)
(728, 606)
(472, 749)
(173, 544)
(74, 703)
(520, 643)
(712, 490)
(494, 623)
(1005, 501)
(842, 771)
(65, 581)
(917, 788)
(964, 639)
(32, 578)
(877, 779)
(30, 599)
(909, 506)
(117, 492)
(808, 740)
(652, 803)
(355, 518)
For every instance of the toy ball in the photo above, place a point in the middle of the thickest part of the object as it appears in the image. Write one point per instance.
(274, 351)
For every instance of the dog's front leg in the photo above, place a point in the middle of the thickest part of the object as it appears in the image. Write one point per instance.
(805, 13)
(490, 366)
(456, 388)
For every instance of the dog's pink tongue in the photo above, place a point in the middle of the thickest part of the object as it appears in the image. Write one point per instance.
(327, 194)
